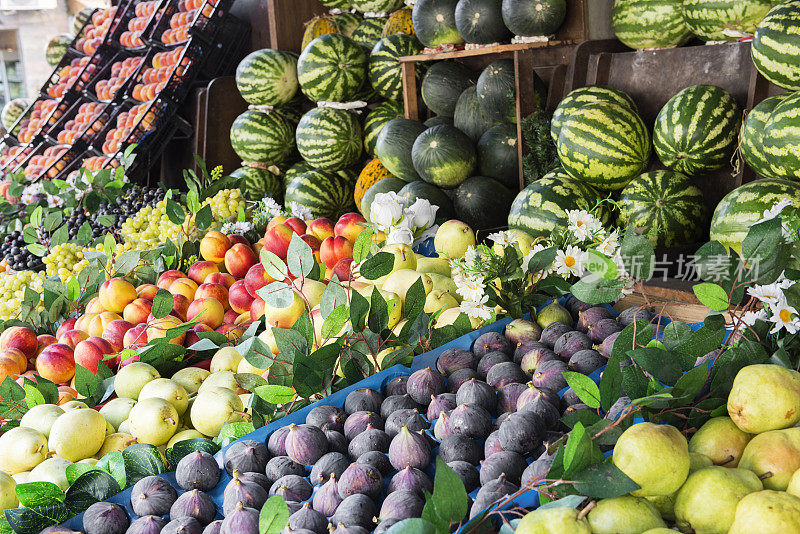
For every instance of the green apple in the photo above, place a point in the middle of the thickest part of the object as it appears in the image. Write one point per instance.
(213, 408)
(223, 379)
(169, 390)
(117, 410)
(191, 378)
(449, 317)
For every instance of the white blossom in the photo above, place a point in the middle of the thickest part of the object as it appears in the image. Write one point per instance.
(271, 207)
(784, 316)
(387, 210)
(426, 234)
(750, 317)
(570, 261)
(768, 294)
(30, 192)
(421, 213)
(400, 235)
(236, 227)
(582, 224)
(775, 210)
(300, 211)
(477, 308)
(526, 259)
(504, 239)
(609, 245)
(468, 287)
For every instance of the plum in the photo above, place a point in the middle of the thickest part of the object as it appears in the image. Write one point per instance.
(489, 360)
(357, 422)
(401, 504)
(398, 402)
(455, 380)
(552, 332)
(372, 439)
(522, 432)
(586, 361)
(470, 420)
(409, 449)
(356, 510)
(152, 496)
(196, 504)
(395, 386)
(327, 499)
(468, 474)
(508, 396)
(378, 460)
(309, 519)
(292, 488)
(550, 375)
(410, 418)
(570, 343)
(505, 373)
(509, 463)
(411, 479)
(443, 402)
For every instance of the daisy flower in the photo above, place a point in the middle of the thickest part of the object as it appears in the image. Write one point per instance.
(768, 294)
(477, 308)
(300, 211)
(582, 224)
(609, 245)
(469, 288)
(570, 261)
(750, 317)
(784, 316)
(504, 239)
(271, 207)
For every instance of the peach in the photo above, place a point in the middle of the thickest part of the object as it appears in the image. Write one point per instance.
(183, 286)
(213, 246)
(20, 337)
(147, 291)
(131, 358)
(94, 306)
(296, 224)
(99, 322)
(67, 324)
(167, 277)
(238, 260)
(17, 356)
(83, 322)
(349, 226)
(256, 278)
(284, 317)
(278, 219)
(116, 293)
(257, 246)
(56, 363)
(208, 311)
(43, 341)
(66, 394)
(71, 338)
(90, 351)
(191, 335)
(342, 268)
(257, 308)
(321, 228)
(230, 317)
(226, 279)
(157, 328)
(137, 335)
(239, 297)
(335, 248)
(8, 367)
(243, 318)
(137, 311)
(115, 333)
(236, 238)
(214, 291)
(180, 306)
(232, 331)
(277, 240)
(200, 270)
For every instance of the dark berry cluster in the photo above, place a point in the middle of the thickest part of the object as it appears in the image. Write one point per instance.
(130, 203)
(17, 255)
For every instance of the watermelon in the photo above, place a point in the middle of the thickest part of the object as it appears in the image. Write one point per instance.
(394, 144)
(343, 5)
(744, 206)
(326, 194)
(470, 117)
(542, 206)
(384, 65)
(293, 110)
(586, 95)
(530, 18)
(329, 139)
(375, 121)
(368, 32)
(296, 168)
(649, 23)
(377, 6)
(780, 142)
(481, 21)
(347, 22)
(443, 84)
(444, 156)
(81, 18)
(259, 137)
(56, 48)
(437, 120)
(399, 22)
(751, 145)
(496, 90)
(776, 44)
(332, 68)
(498, 155)
(724, 20)
(435, 23)
(391, 183)
(432, 194)
(695, 131)
(604, 144)
(482, 202)
(259, 183)
(13, 110)
(665, 207)
(267, 77)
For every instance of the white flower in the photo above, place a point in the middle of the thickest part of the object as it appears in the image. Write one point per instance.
(30, 192)
(609, 245)
(504, 239)
(236, 228)
(426, 234)
(400, 235)
(784, 316)
(387, 210)
(750, 317)
(468, 287)
(271, 207)
(570, 261)
(477, 308)
(526, 259)
(471, 257)
(582, 224)
(54, 201)
(300, 211)
(421, 213)
(768, 294)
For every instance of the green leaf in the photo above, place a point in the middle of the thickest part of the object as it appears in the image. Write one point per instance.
(418, 525)
(73, 289)
(142, 460)
(277, 294)
(634, 382)
(182, 448)
(304, 327)
(595, 290)
(32, 494)
(114, 463)
(309, 378)
(611, 383)
(175, 212)
(584, 387)
(273, 516)
(447, 505)
(362, 246)
(601, 265)
(249, 381)
(275, 394)
(299, 257)
(637, 255)
(760, 247)
(359, 307)
(37, 249)
(377, 266)
(86, 382)
(689, 385)
(333, 297)
(127, 262)
(204, 218)
(712, 295)
(542, 260)
(334, 322)
(676, 333)
(636, 334)
(98, 484)
(659, 363)
(163, 303)
(603, 481)
(33, 397)
(273, 265)
(74, 471)
(707, 339)
(36, 519)
(414, 300)
(378, 319)
(232, 431)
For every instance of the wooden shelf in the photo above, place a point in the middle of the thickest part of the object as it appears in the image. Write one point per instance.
(485, 51)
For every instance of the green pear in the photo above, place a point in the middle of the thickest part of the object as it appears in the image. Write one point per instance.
(125, 426)
(449, 317)
(8, 492)
(117, 410)
(78, 434)
(401, 280)
(183, 436)
(439, 300)
(225, 359)
(553, 312)
(169, 390)
(213, 407)
(118, 441)
(222, 379)
(438, 266)
(154, 421)
(767, 512)
(794, 484)
(191, 378)
(707, 501)
(41, 417)
(774, 456)
(51, 470)
(560, 520)
(404, 257)
(73, 405)
(721, 440)
(453, 238)
(665, 504)
(624, 515)
(444, 283)
(132, 378)
(698, 461)
(655, 456)
(765, 397)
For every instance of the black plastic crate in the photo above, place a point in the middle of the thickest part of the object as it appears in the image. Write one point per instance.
(81, 33)
(85, 74)
(52, 116)
(66, 159)
(13, 162)
(225, 53)
(90, 90)
(149, 151)
(151, 22)
(207, 20)
(90, 128)
(189, 64)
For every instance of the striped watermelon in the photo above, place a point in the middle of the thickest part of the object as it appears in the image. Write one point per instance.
(534, 17)
(394, 144)
(332, 68)
(470, 117)
(665, 207)
(326, 194)
(751, 136)
(13, 110)
(384, 64)
(649, 23)
(347, 22)
(443, 84)
(81, 18)
(776, 44)
(368, 32)
(444, 156)
(435, 22)
(723, 20)
(375, 121)
(497, 90)
(780, 142)
(745, 205)
(498, 155)
(377, 6)
(542, 206)
(481, 21)
(583, 96)
(695, 131)
(259, 183)
(604, 144)
(262, 138)
(56, 48)
(329, 139)
(344, 5)
(267, 77)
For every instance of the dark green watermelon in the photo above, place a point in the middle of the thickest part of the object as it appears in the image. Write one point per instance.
(393, 147)
(432, 194)
(435, 23)
(470, 117)
(497, 92)
(444, 156)
(498, 154)
(443, 84)
(528, 18)
(390, 183)
(437, 120)
(481, 21)
(483, 203)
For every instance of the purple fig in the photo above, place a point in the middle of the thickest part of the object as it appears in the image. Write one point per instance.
(509, 463)
(491, 493)
(105, 518)
(241, 520)
(489, 360)
(254, 478)
(199, 470)
(410, 418)
(360, 478)
(384, 525)
(443, 402)
(633, 314)
(617, 407)
(401, 504)
(152, 496)
(519, 331)
(505, 373)
(356, 510)
(281, 466)
(552, 332)
(149, 524)
(293, 506)
(336, 440)
(467, 473)
(292, 488)
(570, 343)
(589, 317)
(276, 444)
(452, 360)
(491, 342)
(537, 470)
(358, 422)
(333, 416)
(305, 444)
(523, 348)
(576, 306)
(378, 460)
(607, 345)
(508, 395)
(247, 494)
(522, 432)
(395, 386)
(398, 402)
(332, 463)
(410, 479)
(552, 436)
(553, 312)
(213, 528)
(575, 408)
(409, 449)
(500, 418)
(424, 383)
(455, 380)
(371, 439)
(471, 421)
(535, 357)
(363, 400)
(442, 427)
(550, 375)
(532, 392)
(544, 409)
(460, 448)
(568, 398)
(354, 529)
(586, 361)
(183, 525)
(62, 529)
(196, 504)
(246, 456)
(327, 498)
(477, 393)
(602, 329)
(309, 519)
(492, 444)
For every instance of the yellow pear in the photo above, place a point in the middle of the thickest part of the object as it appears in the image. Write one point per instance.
(117, 410)
(154, 421)
(312, 290)
(183, 436)
(191, 378)
(439, 300)
(562, 520)
(453, 238)
(400, 282)
(698, 461)
(774, 456)
(169, 390)
(449, 317)
(52, 470)
(438, 266)
(247, 367)
(767, 512)
(78, 434)
(213, 408)
(116, 442)
(721, 440)
(622, 515)
(225, 359)
(222, 379)
(41, 417)
(765, 397)
(8, 492)
(445, 283)
(655, 456)
(131, 379)
(404, 257)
